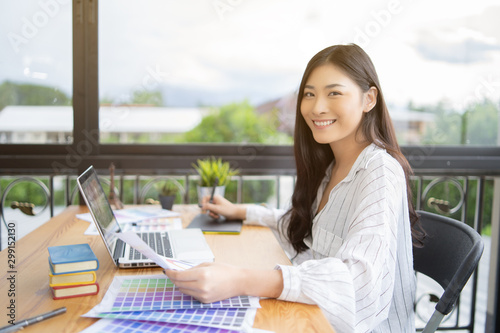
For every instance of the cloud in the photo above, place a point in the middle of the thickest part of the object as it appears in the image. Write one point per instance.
(467, 51)
(486, 23)
(465, 40)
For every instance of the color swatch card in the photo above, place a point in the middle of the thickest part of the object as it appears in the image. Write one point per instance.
(232, 318)
(157, 292)
(132, 326)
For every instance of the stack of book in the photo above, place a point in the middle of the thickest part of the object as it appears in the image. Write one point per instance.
(72, 271)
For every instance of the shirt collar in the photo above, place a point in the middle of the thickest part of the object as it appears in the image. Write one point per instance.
(362, 162)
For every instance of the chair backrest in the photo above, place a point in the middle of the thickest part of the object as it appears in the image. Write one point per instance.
(450, 254)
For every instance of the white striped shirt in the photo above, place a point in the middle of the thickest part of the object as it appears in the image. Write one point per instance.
(359, 268)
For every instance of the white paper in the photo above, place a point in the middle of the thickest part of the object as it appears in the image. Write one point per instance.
(137, 243)
(160, 224)
(135, 214)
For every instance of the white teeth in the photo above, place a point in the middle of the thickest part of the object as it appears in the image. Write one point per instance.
(323, 123)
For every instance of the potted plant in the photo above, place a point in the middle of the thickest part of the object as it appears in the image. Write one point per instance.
(210, 170)
(167, 192)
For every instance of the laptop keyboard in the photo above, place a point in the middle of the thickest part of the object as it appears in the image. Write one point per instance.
(157, 241)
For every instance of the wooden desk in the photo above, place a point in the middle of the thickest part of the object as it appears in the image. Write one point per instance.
(255, 247)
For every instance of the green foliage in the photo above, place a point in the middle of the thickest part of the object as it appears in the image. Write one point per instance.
(147, 97)
(448, 192)
(211, 168)
(237, 123)
(30, 94)
(482, 122)
(255, 191)
(477, 125)
(25, 191)
(167, 188)
(140, 97)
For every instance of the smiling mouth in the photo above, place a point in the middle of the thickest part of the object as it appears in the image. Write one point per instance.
(323, 123)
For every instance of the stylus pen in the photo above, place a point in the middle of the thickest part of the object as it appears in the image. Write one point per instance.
(30, 321)
(216, 182)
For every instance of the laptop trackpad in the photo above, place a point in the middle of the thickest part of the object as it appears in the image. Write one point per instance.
(190, 245)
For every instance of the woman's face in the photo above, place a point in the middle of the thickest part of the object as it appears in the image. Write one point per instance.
(333, 105)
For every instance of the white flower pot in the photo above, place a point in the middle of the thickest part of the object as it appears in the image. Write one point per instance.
(204, 191)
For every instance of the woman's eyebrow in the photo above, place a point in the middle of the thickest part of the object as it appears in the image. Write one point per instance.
(333, 85)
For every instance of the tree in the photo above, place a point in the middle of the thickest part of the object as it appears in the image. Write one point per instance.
(147, 97)
(31, 94)
(237, 123)
(477, 125)
(481, 123)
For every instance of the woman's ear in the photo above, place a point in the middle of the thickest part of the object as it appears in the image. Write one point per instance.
(370, 99)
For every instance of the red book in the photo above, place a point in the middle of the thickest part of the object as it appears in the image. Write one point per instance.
(61, 292)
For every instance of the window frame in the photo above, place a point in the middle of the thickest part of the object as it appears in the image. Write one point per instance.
(250, 158)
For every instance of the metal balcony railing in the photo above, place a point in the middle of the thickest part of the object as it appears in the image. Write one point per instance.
(447, 182)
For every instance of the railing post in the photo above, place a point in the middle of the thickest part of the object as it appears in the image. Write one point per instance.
(492, 309)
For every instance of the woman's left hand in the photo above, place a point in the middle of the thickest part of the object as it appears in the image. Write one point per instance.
(209, 282)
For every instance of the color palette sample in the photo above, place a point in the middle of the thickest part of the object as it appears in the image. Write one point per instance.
(140, 294)
(232, 318)
(152, 303)
(132, 326)
(157, 292)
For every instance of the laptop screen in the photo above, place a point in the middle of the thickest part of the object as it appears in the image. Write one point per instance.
(99, 207)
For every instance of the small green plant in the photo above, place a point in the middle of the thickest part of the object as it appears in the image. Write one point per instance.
(210, 168)
(167, 188)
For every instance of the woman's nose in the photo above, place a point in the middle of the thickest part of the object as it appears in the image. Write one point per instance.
(320, 106)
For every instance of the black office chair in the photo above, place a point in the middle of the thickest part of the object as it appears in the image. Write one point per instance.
(450, 255)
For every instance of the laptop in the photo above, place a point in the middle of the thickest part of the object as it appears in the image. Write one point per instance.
(181, 244)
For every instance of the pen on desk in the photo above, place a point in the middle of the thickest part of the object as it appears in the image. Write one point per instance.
(30, 321)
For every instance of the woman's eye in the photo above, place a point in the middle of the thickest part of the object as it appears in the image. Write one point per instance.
(334, 93)
(308, 94)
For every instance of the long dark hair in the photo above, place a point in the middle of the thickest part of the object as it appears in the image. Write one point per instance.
(312, 158)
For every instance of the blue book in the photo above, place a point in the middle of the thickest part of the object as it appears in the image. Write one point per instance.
(74, 258)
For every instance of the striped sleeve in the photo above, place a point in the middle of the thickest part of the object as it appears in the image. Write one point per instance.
(354, 285)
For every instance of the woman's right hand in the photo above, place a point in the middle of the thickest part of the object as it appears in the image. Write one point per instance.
(220, 206)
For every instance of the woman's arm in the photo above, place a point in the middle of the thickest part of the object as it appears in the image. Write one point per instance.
(211, 282)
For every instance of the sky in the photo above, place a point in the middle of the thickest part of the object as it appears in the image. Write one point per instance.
(212, 52)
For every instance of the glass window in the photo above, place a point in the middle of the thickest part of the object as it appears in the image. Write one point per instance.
(179, 72)
(36, 72)
(227, 70)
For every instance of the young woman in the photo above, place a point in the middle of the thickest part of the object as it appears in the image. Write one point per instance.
(350, 226)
